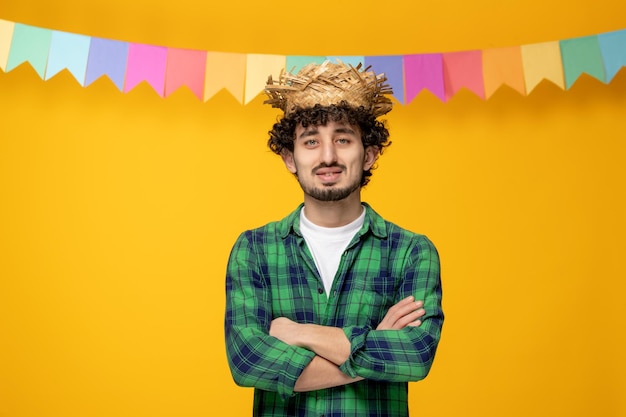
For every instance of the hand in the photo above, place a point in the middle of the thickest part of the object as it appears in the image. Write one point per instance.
(404, 313)
(285, 330)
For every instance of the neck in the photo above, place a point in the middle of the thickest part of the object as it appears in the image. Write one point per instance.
(333, 213)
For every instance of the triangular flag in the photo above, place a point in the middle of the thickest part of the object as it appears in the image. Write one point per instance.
(258, 69)
(581, 55)
(6, 35)
(347, 59)
(391, 66)
(70, 51)
(29, 44)
(225, 70)
(295, 63)
(107, 57)
(463, 70)
(542, 61)
(503, 66)
(146, 63)
(424, 71)
(613, 47)
(185, 67)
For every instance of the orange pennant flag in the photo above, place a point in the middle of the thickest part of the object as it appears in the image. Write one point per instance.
(225, 70)
(503, 66)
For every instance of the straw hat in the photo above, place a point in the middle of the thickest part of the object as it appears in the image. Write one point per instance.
(327, 84)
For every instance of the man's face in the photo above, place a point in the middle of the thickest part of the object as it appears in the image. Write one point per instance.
(329, 160)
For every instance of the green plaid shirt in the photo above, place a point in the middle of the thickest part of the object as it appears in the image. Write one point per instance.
(271, 274)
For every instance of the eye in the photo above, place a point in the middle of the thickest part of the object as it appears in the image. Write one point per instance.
(343, 141)
(310, 142)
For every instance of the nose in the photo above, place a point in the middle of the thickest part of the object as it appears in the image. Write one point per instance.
(329, 153)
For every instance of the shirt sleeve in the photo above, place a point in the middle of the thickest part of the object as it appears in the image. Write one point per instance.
(406, 354)
(256, 359)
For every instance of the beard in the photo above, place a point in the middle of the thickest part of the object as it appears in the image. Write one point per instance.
(330, 192)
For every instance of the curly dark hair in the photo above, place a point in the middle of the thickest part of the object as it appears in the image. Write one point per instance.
(373, 131)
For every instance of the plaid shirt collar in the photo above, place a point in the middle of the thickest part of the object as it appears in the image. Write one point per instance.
(373, 222)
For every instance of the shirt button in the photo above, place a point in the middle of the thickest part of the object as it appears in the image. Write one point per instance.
(320, 291)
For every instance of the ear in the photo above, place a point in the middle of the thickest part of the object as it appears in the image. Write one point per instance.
(287, 157)
(371, 154)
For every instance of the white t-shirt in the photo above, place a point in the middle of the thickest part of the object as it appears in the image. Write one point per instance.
(327, 245)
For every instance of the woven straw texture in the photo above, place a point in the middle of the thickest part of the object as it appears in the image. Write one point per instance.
(329, 83)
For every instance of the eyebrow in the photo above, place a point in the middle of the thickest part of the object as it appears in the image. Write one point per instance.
(313, 131)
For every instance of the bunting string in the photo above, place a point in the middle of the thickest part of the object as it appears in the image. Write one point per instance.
(205, 73)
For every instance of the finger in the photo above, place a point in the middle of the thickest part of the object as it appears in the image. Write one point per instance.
(408, 318)
(406, 304)
(405, 310)
(416, 323)
(396, 317)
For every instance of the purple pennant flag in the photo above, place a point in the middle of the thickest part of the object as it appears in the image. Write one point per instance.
(391, 65)
(424, 71)
(107, 57)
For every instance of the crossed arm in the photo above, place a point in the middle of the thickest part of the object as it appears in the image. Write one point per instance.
(275, 354)
(332, 347)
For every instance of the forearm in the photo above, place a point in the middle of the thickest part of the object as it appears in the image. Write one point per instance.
(255, 358)
(392, 355)
(320, 374)
(330, 343)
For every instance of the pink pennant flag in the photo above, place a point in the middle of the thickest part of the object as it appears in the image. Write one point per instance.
(503, 66)
(185, 67)
(463, 70)
(146, 63)
(421, 72)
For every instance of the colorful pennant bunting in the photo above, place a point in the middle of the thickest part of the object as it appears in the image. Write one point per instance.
(185, 67)
(392, 67)
(542, 61)
(295, 63)
(30, 44)
(205, 73)
(6, 35)
(463, 70)
(68, 51)
(225, 70)
(257, 69)
(146, 63)
(108, 58)
(613, 48)
(581, 55)
(424, 72)
(503, 66)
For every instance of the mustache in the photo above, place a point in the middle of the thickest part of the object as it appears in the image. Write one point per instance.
(325, 165)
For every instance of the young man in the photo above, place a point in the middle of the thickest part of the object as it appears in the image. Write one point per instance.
(332, 310)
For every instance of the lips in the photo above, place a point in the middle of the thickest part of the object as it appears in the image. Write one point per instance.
(328, 173)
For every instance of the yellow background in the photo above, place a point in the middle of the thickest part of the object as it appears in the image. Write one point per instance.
(118, 211)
